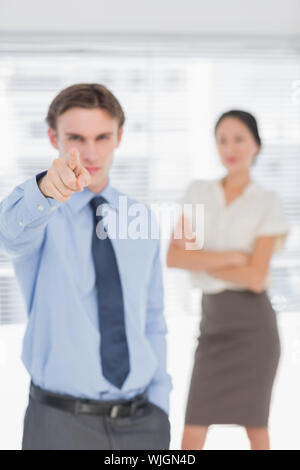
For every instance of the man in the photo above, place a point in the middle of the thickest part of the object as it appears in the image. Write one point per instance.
(95, 344)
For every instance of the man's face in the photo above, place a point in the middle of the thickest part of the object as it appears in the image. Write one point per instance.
(95, 134)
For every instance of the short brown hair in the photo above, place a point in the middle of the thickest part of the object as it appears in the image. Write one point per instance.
(84, 95)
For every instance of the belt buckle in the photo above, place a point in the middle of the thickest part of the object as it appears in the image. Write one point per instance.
(133, 407)
(77, 407)
(114, 411)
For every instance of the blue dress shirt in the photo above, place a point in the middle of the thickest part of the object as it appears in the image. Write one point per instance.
(49, 243)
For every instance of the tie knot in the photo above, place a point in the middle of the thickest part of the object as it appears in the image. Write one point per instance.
(96, 202)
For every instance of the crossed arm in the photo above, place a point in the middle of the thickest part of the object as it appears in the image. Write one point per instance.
(247, 270)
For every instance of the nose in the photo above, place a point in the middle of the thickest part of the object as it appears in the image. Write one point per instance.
(229, 149)
(89, 153)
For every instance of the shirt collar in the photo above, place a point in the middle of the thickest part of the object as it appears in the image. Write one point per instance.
(251, 186)
(81, 199)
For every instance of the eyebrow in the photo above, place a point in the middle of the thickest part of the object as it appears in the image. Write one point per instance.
(78, 135)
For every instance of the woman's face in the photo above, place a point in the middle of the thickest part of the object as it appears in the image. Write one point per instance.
(236, 145)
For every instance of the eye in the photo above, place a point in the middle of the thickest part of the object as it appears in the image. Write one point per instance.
(75, 137)
(102, 137)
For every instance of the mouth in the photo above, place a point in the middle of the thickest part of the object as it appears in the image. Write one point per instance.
(92, 169)
(231, 160)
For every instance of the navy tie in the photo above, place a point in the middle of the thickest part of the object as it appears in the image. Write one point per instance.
(114, 351)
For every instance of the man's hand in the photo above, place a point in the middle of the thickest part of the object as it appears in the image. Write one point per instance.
(65, 177)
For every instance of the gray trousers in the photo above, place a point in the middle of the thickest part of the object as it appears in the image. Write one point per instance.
(49, 428)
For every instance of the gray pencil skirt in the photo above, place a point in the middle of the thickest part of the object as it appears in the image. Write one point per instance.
(236, 360)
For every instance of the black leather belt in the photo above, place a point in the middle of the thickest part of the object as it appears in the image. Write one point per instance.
(114, 409)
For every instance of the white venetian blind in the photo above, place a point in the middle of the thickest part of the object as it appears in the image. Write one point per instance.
(172, 89)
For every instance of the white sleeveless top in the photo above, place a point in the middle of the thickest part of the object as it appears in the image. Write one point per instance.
(254, 213)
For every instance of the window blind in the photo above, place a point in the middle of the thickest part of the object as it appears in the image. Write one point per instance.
(173, 88)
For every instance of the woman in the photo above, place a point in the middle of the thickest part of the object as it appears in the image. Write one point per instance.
(238, 347)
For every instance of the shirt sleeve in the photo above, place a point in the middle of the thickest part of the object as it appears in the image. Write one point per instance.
(274, 221)
(156, 329)
(189, 193)
(24, 214)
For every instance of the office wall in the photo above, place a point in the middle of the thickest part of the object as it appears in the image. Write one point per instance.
(163, 16)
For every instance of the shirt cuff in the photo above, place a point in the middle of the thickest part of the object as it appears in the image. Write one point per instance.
(36, 203)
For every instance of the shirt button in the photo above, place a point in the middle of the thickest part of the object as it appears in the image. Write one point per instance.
(21, 223)
(40, 208)
(53, 208)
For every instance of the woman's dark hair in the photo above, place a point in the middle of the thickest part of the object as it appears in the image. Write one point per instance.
(246, 118)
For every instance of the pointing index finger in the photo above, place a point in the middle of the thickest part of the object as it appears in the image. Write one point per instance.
(73, 160)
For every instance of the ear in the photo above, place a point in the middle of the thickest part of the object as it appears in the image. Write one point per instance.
(52, 137)
(120, 135)
(257, 150)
